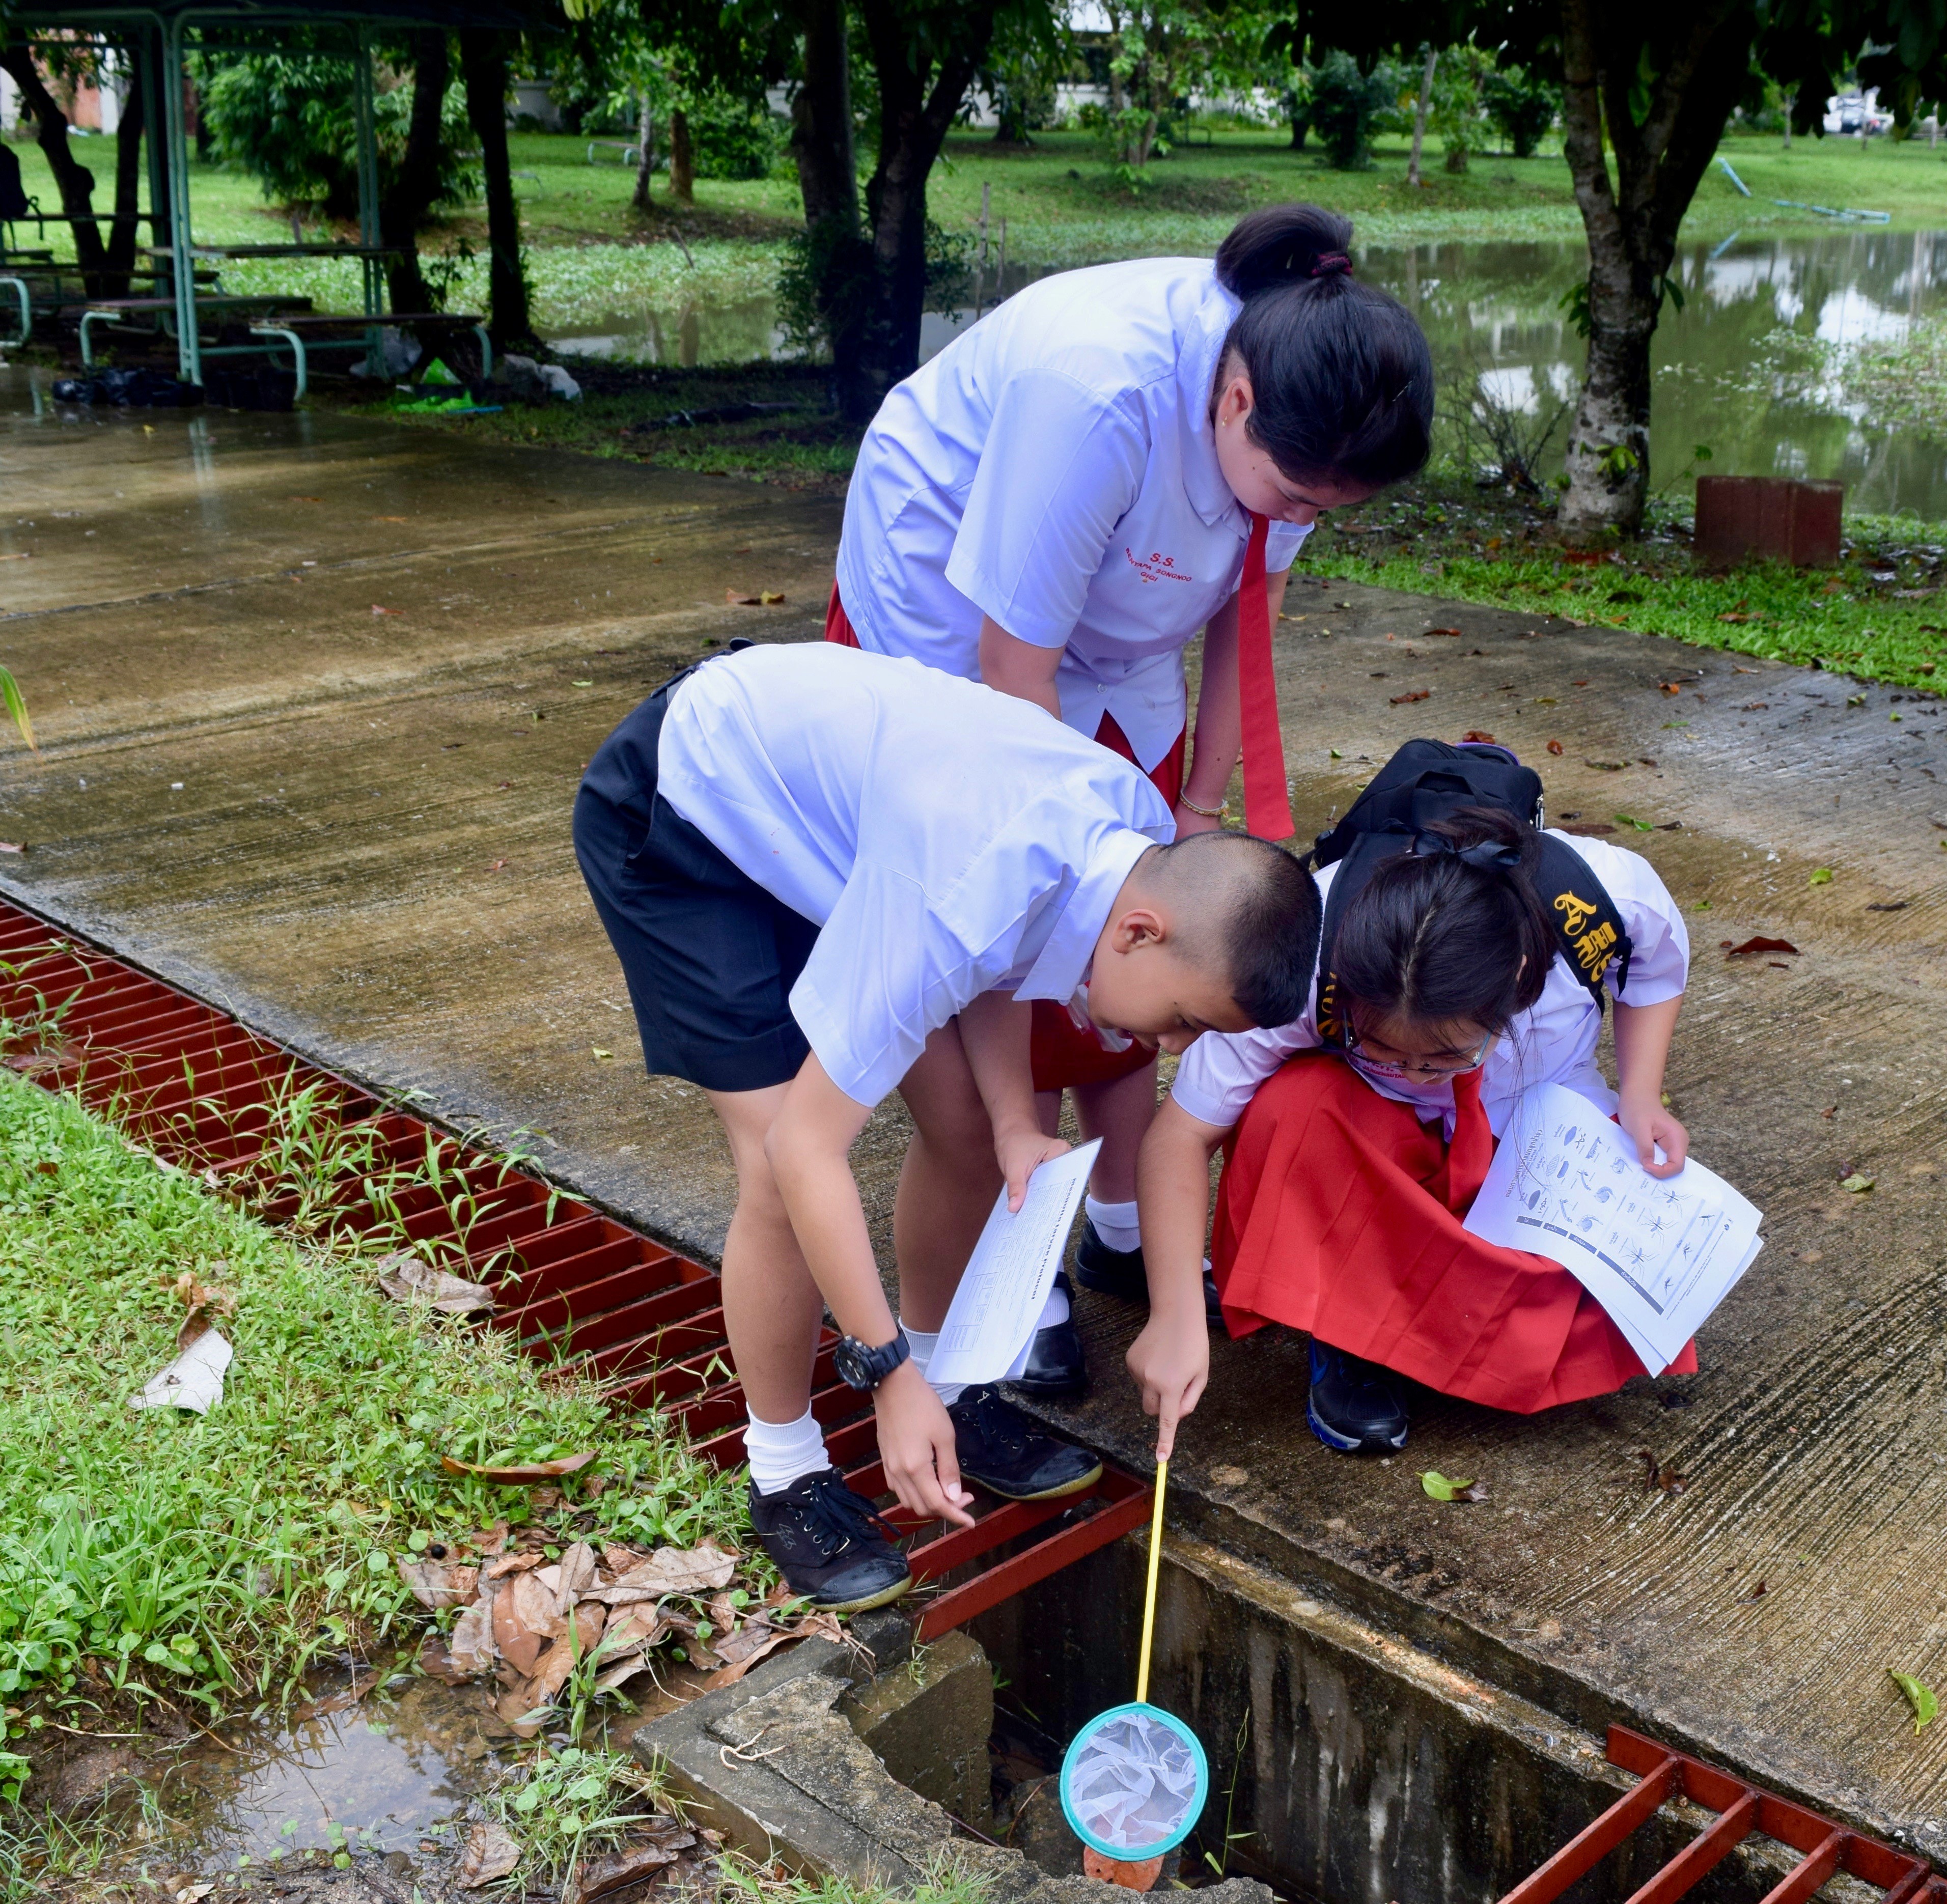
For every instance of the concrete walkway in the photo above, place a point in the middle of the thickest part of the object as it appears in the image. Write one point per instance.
(375, 661)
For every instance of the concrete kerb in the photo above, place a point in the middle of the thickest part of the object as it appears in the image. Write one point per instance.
(776, 1764)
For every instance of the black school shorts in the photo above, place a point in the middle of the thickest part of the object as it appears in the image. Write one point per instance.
(709, 955)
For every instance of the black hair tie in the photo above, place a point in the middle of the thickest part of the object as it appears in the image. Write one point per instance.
(1332, 264)
(1484, 856)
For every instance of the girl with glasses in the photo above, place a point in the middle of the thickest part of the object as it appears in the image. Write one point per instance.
(1355, 1149)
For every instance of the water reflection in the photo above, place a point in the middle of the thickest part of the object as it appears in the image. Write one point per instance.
(1721, 378)
(1725, 376)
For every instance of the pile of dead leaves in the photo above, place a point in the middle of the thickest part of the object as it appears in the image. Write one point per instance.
(661, 1846)
(529, 1621)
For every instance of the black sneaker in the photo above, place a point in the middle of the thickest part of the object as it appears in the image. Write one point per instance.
(1123, 1273)
(1354, 1405)
(829, 1544)
(1055, 1366)
(1003, 1449)
(1110, 1272)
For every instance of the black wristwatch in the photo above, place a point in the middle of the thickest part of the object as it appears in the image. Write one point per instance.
(862, 1368)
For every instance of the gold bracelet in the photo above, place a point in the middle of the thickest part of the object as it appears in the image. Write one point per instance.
(1207, 812)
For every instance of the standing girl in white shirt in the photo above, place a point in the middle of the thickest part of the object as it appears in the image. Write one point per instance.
(1114, 459)
(1354, 1152)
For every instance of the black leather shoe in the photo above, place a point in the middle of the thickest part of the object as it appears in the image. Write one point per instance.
(1355, 1406)
(829, 1544)
(1056, 1366)
(1109, 1272)
(1003, 1449)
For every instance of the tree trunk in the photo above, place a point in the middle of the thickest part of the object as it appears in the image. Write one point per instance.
(918, 103)
(73, 180)
(682, 162)
(126, 233)
(821, 145)
(483, 60)
(1420, 113)
(1632, 223)
(402, 209)
(645, 151)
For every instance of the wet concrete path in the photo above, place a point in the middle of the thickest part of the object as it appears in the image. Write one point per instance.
(375, 661)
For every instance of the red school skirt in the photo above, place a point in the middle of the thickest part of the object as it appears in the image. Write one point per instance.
(1340, 1214)
(1062, 1054)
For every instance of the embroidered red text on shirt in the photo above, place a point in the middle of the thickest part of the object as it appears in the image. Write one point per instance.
(1156, 567)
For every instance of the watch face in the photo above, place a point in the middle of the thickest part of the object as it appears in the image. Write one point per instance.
(848, 1360)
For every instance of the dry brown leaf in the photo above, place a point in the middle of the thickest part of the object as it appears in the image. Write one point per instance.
(403, 1276)
(529, 1471)
(683, 1570)
(1762, 945)
(536, 1605)
(614, 1871)
(576, 1574)
(1411, 695)
(1664, 1475)
(492, 1543)
(638, 1626)
(618, 1560)
(510, 1563)
(513, 1708)
(768, 1643)
(436, 1661)
(439, 1583)
(470, 1645)
(518, 1644)
(723, 1612)
(491, 1853)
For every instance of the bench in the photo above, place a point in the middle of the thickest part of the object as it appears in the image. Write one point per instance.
(122, 311)
(630, 151)
(325, 331)
(30, 289)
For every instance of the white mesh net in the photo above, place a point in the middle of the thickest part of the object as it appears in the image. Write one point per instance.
(1134, 1782)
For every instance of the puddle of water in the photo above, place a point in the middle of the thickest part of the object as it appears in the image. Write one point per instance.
(394, 1772)
(1496, 307)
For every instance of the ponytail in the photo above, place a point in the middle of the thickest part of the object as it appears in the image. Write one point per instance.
(1340, 375)
(1451, 932)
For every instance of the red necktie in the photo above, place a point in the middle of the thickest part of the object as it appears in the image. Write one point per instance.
(1266, 806)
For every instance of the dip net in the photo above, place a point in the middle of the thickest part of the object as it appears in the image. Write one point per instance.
(1134, 1782)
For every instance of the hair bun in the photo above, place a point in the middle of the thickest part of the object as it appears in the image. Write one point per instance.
(1284, 245)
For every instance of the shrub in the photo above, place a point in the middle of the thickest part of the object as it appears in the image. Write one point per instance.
(1347, 107)
(290, 123)
(1522, 106)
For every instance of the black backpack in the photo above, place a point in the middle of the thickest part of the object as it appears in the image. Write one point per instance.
(1426, 781)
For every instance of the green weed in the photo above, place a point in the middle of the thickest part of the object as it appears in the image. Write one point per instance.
(154, 1555)
(565, 1805)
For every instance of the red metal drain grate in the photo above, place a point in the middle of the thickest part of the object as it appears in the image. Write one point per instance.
(203, 1092)
(1825, 1848)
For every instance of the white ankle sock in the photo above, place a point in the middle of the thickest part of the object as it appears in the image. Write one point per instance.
(1055, 1309)
(923, 1343)
(1115, 1223)
(782, 1452)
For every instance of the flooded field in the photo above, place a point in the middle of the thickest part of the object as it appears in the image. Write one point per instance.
(1748, 368)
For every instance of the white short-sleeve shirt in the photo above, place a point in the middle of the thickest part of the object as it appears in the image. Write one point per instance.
(1552, 1042)
(949, 840)
(1055, 468)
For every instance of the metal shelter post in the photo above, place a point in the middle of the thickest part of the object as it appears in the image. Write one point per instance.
(189, 351)
(368, 171)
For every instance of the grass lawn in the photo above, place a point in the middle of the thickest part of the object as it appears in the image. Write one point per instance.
(158, 1559)
(1880, 615)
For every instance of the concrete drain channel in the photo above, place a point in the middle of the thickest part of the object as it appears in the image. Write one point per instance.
(1348, 1766)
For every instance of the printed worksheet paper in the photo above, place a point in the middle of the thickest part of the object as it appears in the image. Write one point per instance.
(1007, 1278)
(1659, 1255)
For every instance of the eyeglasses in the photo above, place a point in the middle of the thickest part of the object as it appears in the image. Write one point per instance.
(1420, 1068)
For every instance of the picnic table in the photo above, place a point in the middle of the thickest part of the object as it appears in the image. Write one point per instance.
(124, 311)
(304, 332)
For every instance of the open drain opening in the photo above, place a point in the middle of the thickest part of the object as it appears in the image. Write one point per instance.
(207, 1095)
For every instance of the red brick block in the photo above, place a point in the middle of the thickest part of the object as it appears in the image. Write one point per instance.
(1774, 518)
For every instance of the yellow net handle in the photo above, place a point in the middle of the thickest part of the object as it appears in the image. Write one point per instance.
(1149, 1591)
